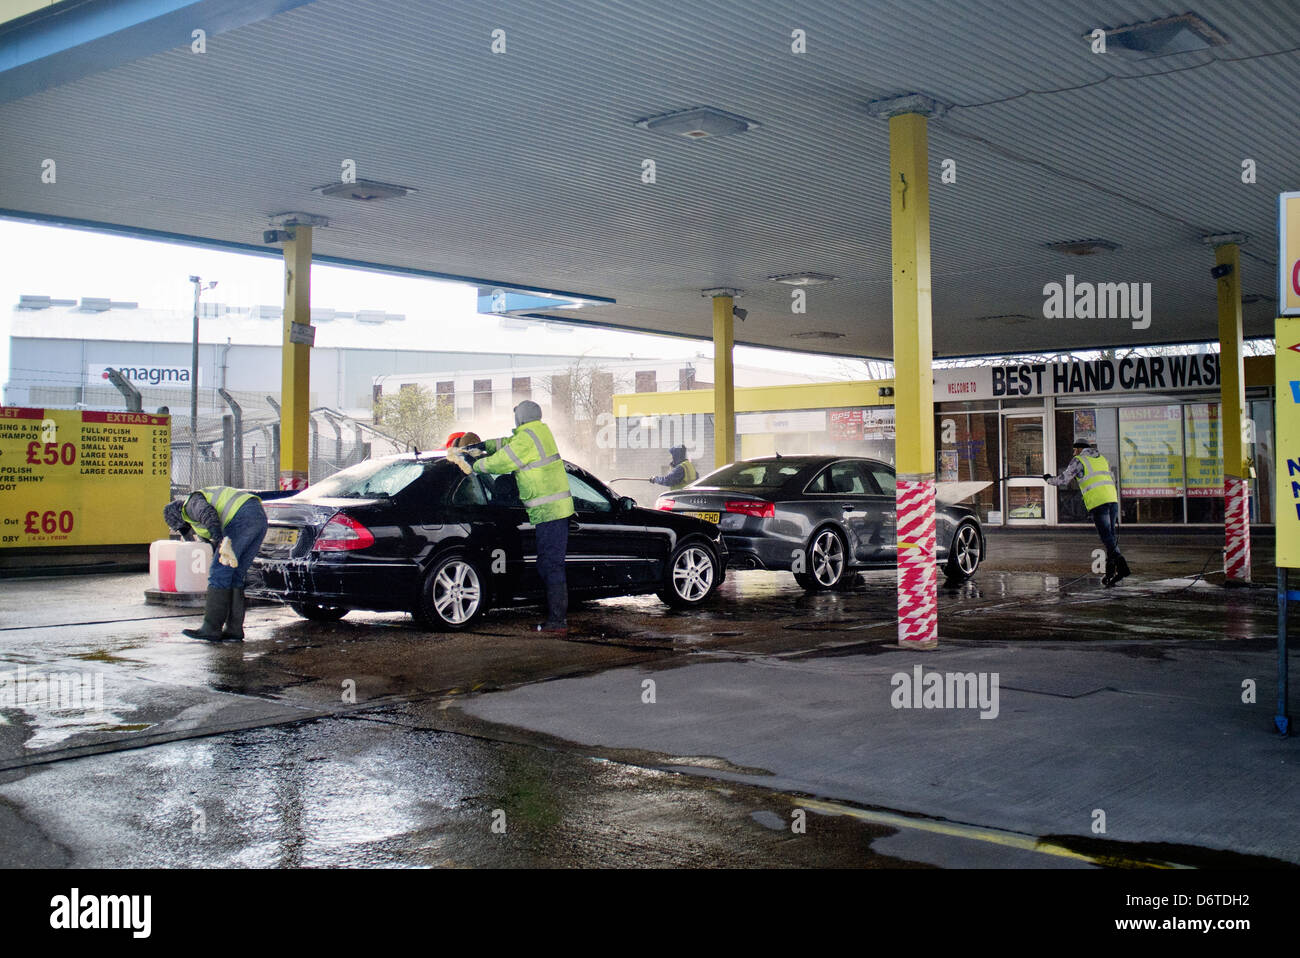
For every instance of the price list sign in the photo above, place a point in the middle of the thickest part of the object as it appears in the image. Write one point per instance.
(82, 477)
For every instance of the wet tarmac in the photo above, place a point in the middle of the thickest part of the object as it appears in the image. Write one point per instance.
(371, 742)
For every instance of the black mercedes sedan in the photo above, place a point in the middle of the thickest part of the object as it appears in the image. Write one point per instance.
(821, 517)
(413, 533)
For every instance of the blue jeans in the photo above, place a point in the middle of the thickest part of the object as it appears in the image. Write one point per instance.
(246, 530)
(1106, 518)
(552, 550)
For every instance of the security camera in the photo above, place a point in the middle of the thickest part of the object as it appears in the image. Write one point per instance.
(1222, 270)
(739, 313)
(276, 236)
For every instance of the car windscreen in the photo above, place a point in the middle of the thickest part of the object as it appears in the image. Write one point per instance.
(755, 475)
(372, 479)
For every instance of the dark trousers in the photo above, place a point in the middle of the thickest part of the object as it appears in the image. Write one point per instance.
(552, 548)
(1106, 518)
(246, 530)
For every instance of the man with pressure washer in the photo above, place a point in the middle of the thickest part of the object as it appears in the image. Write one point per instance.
(681, 471)
(1097, 485)
(531, 454)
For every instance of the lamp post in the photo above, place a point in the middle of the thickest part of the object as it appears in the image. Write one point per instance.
(199, 286)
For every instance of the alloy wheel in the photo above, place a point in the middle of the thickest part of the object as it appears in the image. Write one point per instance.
(693, 573)
(827, 558)
(457, 592)
(966, 547)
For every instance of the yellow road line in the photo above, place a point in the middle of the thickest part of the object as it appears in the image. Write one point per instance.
(976, 833)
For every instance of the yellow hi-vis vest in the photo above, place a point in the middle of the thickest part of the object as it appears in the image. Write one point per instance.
(689, 475)
(1096, 483)
(227, 500)
(531, 453)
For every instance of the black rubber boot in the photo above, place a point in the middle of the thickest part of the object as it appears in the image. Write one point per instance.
(1109, 577)
(1122, 569)
(215, 612)
(234, 630)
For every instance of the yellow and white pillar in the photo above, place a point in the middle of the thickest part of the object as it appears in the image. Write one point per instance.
(918, 577)
(295, 368)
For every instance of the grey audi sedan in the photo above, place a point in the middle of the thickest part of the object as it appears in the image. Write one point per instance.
(820, 517)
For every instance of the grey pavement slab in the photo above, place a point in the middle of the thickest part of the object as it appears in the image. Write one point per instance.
(1161, 744)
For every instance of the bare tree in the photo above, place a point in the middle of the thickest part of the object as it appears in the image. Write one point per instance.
(414, 416)
(580, 396)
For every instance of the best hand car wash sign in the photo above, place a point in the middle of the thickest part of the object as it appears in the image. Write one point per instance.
(82, 477)
(1079, 378)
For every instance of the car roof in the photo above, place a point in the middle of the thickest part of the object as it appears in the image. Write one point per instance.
(809, 460)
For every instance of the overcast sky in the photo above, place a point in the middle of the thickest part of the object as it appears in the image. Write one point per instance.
(71, 264)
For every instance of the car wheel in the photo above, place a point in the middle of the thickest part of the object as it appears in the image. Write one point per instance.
(826, 562)
(452, 595)
(963, 553)
(692, 576)
(318, 613)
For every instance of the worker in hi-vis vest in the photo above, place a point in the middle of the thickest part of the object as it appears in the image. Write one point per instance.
(531, 454)
(233, 522)
(681, 471)
(1097, 484)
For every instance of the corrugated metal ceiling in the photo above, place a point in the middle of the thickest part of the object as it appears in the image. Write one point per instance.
(527, 165)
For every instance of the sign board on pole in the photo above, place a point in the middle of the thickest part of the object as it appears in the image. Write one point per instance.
(72, 477)
(1288, 260)
(1288, 442)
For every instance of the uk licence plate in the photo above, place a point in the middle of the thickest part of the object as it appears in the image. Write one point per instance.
(707, 516)
(280, 536)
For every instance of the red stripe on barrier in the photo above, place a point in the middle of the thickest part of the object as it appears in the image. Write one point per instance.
(918, 578)
(1236, 528)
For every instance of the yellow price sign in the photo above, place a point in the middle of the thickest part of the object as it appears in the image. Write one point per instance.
(82, 477)
(1288, 234)
(1288, 442)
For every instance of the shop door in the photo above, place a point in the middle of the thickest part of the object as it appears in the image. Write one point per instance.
(1023, 445)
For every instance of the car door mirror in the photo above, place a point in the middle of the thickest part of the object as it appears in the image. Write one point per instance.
(626, 504)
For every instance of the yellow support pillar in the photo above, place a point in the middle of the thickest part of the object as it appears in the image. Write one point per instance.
(1232, 418)
(913, 383)
(724, 382)
(295, 368)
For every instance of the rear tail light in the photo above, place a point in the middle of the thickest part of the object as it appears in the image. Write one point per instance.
(343, 532)
(758, 508)
(663, 504)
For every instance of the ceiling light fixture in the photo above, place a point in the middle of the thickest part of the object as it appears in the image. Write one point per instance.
(1186, 33)
(697, 123)
(1006, 319)
(1083, 247)
(817, 334)
(363, 191)
(803, 279)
